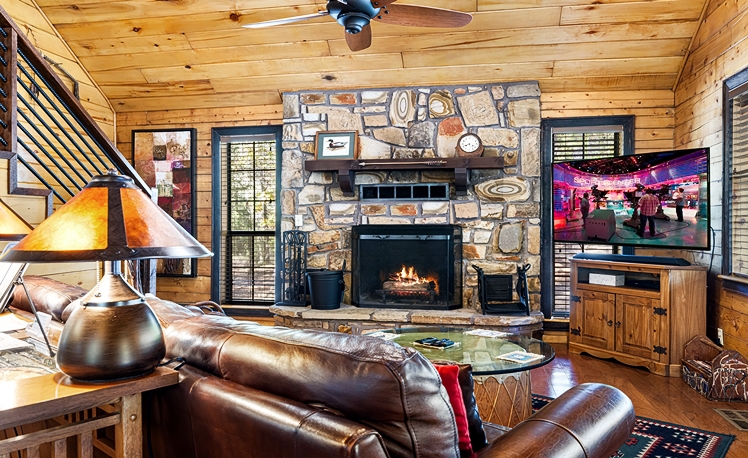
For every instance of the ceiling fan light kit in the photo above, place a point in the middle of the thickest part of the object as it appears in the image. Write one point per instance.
(356, 15)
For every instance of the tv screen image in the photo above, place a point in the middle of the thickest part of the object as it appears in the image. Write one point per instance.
(602, 200)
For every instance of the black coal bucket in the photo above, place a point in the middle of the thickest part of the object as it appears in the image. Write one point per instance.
(326, 289)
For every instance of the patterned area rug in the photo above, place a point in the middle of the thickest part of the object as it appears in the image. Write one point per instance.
(659, 439)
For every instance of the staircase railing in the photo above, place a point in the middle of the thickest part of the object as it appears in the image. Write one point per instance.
(50, 139)
(53, 145)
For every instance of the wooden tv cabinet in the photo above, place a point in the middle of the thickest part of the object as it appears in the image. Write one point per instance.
(646, 322)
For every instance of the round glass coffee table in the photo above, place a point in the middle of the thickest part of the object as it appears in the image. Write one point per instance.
(503, 390)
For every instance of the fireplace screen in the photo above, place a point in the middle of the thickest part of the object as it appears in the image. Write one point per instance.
(398, 266)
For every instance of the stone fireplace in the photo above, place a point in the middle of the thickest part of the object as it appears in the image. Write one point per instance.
(498, 218)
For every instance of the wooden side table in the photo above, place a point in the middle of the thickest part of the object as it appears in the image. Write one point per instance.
(60, 398)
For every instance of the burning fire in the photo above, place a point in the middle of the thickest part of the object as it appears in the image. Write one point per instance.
(408, 277)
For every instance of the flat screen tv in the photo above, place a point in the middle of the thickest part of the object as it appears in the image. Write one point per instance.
(613, 188)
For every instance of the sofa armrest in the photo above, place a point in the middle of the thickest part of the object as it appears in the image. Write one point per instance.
(588, 421)
(49, 296)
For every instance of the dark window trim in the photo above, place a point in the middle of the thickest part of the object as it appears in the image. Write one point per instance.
(546, 204)
(216, 213)
(732, 87)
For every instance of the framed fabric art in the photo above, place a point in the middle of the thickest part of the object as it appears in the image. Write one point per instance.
(165, 159)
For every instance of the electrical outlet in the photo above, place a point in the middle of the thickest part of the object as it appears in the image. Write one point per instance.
(720, 336)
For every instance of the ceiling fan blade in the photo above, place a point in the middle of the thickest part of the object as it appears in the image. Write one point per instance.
(359, 41)
(288, 20)
(422, 16)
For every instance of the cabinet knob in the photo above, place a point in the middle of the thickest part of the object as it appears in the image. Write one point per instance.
(610, 322)
(618, 324)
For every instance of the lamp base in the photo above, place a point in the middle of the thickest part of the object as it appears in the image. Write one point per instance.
(109, 341)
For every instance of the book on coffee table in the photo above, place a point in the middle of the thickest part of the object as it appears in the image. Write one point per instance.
(520, 356)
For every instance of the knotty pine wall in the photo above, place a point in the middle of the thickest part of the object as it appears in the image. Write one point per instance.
(718, 51)
(185, 290)
(654, 111)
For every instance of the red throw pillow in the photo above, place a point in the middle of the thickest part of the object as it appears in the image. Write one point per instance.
(449, 373)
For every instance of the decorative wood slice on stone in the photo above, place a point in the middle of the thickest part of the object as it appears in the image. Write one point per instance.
(403, 108)
(441, 104)
(510, 189)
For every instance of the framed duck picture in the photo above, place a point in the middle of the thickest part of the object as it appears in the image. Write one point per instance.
(336, 145)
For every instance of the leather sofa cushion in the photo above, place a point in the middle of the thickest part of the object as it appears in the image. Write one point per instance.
(391, 389)
(49, 296)
(206, 417)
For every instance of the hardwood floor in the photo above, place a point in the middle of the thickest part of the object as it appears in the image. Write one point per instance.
(661, 398)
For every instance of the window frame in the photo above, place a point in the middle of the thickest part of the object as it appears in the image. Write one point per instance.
(217, 133)
(547, 268)
(732, 87)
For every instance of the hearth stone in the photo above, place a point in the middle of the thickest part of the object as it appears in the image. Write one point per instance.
(358, 319)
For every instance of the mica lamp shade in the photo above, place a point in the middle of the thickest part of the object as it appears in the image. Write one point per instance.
(109, 220)
(113, 333)
(12, 226)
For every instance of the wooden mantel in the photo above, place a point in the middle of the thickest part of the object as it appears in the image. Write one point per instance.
(347, 168)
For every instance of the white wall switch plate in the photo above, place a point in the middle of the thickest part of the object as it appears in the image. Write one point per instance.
(720, 336)
(298, 220)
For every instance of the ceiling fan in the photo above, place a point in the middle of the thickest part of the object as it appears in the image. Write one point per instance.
(356, 15)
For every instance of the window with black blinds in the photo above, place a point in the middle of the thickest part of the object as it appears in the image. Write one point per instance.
(248, 219)
(737, 180)
(569, 144)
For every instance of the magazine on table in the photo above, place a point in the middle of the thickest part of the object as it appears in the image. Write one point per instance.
(520, 356)
(384, 335)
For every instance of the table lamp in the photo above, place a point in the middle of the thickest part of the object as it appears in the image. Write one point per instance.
(12, 226)
(113, 333)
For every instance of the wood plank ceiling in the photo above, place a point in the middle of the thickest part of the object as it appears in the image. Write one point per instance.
(176, 54)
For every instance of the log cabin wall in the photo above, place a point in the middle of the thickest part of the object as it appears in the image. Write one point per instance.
(717, 52)
(185, 290)
(653, 110)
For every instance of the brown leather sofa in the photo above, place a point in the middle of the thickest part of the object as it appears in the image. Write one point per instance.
(253, 391)
(256, 391)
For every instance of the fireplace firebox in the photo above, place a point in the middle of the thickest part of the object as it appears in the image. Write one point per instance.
(407, 267)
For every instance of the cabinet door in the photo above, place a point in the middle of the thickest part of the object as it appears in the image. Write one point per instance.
(595, 314)
(638, 327)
